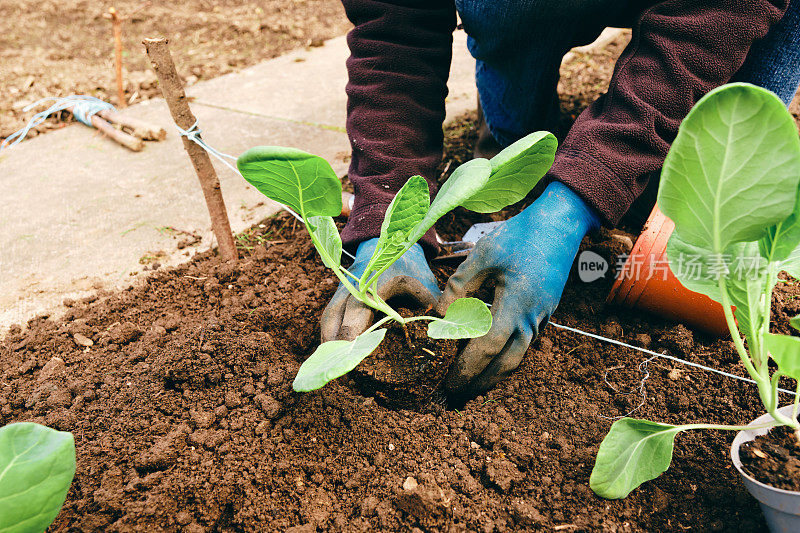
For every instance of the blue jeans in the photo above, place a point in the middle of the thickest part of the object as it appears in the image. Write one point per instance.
(774, 63)
(518, 46)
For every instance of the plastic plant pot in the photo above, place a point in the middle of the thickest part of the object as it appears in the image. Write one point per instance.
(781, 507)
(646, 282)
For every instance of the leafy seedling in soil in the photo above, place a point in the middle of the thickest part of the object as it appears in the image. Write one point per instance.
(307, 185)
(731, 184)
(37, 465)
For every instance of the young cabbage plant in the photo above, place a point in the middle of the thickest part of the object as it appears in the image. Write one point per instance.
(307, 184)
(730, 184)
(36, 468)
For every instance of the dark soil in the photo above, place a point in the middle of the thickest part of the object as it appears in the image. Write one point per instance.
(773, 458)
(408, 368)
(185, 420)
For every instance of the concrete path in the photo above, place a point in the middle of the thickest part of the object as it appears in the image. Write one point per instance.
(79, 213)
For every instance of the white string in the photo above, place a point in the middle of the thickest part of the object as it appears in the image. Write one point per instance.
(656, 354)
(193, 134)
(643, 369)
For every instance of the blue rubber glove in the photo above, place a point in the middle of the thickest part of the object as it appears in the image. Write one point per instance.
(530, 257)
(345, 317)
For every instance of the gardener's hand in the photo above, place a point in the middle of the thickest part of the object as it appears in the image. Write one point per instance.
(530, 257)
(345, 317)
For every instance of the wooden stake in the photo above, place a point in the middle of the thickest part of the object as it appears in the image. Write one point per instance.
(116, 23)
(172, 89)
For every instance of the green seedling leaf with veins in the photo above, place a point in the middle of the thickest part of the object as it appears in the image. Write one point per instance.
(531, 155)
(335, 358)
(731, 183)
(37, 465)
(406, 212)
(330, 242)
(307, 185)
(632, 442)
(785, 351)
(466, 318)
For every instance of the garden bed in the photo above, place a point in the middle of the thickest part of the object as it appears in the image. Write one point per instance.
(184, 417)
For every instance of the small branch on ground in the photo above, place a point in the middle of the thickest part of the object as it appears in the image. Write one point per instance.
(138, 128)
(128, 141)
(172, 89)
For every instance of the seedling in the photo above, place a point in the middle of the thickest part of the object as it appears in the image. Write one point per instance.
(307, 184)
(730, 184)
(36, 468)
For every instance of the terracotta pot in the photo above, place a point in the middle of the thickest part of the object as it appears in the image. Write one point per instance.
(646, 282)
(781, 507)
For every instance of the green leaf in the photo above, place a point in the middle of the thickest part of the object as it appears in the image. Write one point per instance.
(785, 350)
(37, 465)
(795, 322)
(743, 268)
(782, 240)
(634, 451)
(792, 263)
(733, 170)
(695, 267)
(466, 318)
(781, 244)
(303, 182)
(334, 359)
(515, 172)
(746, 297)
(330, 242)
(746, 284)
(462, 184)
(409, 206)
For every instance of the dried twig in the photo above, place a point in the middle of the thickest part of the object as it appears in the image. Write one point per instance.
(139, 128)
(172, 89)
(128, 141)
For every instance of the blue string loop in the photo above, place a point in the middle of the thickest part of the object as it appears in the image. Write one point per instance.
(83, 108)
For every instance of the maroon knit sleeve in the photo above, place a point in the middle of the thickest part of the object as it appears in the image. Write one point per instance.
(400, 54)
(680, 50)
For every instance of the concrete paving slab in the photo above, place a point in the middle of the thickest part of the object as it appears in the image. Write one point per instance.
(80, 212)
(308, 85)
